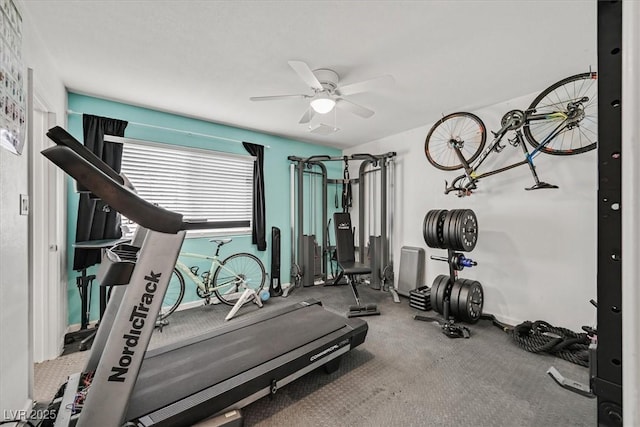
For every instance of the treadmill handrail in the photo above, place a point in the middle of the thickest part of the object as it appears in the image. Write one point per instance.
(164, 223)
(113, 193)
(64, 138)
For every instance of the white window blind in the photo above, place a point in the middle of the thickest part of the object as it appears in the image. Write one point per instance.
(199, 184)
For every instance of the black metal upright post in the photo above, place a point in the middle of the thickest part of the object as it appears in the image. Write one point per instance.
(361, 208)
(607, 383)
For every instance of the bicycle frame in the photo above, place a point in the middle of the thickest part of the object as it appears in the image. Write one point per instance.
(513, 124)
(205, 286)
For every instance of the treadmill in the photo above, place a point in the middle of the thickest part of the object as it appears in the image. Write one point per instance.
(181, 383)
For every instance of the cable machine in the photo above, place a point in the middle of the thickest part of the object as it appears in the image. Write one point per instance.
(311, 256)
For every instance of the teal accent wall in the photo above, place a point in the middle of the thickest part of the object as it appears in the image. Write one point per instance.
(276, 166)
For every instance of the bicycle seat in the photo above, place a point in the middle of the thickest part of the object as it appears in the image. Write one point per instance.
(220, 242)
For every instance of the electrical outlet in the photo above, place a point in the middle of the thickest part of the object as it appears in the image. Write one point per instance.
(24, 204)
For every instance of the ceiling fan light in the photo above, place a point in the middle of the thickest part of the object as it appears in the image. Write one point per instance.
(322, 104)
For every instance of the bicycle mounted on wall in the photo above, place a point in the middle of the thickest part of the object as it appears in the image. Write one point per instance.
(562, 120)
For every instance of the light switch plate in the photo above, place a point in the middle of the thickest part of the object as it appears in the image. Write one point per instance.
(24, 204)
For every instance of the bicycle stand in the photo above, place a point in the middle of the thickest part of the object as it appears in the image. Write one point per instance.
(539, 185)
(247, 295)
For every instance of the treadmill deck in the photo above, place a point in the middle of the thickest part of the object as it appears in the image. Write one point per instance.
(172, 373)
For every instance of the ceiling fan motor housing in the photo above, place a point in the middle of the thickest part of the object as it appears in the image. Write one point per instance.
(327, 78)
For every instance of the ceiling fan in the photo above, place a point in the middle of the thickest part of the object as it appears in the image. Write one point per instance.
(327, 94)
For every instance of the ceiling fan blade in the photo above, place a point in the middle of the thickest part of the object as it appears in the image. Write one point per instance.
(354, 108)
(308, 115)
(323, 129)
(306, 74)
(366, 85)
(275, 97)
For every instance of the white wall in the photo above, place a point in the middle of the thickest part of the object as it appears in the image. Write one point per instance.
(15, 357)
(14, 332)
(536, 250)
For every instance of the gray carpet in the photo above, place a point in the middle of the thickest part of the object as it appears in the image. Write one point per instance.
(407, 373)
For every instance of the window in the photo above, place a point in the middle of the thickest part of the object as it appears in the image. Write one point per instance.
(200, 184)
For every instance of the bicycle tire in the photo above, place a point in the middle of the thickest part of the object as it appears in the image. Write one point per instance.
(248, 267)
(462, 127)
(174, 295)
(574, 140)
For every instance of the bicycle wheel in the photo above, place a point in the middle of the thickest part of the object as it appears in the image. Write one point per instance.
(574, 99)
(174, 295)
(464, 129)
(237, 273)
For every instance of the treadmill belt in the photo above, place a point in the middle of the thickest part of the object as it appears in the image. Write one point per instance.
(168, 377)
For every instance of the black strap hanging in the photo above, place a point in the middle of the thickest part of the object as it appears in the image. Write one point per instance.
(346, 187)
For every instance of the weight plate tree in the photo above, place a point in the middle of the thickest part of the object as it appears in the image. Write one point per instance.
(454, 230)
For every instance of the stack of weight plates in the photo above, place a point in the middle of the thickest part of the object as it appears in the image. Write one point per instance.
(420, 298)
(456, 229)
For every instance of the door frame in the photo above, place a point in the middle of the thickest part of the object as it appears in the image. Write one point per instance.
(47, 270)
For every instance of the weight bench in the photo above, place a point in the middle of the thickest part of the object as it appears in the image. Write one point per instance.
(345, 255)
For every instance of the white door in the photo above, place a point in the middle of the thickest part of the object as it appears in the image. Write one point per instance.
(48, 278)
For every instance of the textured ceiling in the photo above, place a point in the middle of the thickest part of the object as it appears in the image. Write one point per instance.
(205, 59)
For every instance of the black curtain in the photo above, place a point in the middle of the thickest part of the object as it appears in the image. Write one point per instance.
(258, 222)
(96, 221)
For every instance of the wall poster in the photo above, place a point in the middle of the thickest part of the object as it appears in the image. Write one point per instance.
(12, 79)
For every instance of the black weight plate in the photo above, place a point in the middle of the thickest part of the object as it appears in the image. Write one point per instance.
(433, 228)
(437, 292)
(425, 223)
(446, 226)
(387, 273)
(430, 238)
(462, 301)
(460, 228)
(445, 229)
(471, 301)
(453, 298)
(453, 230)
(468, 231)
(434, 294)
(442, 291)
(439, 227)
(425, 228)
(456, 233)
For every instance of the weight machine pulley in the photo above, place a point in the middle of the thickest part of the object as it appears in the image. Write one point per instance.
(451, 296)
